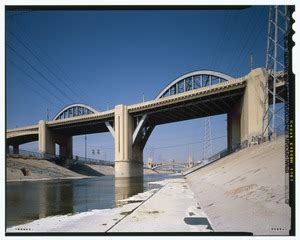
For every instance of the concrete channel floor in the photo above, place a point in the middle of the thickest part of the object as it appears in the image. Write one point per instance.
(172, 208)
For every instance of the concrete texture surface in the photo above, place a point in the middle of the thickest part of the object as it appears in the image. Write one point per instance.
(105, 170)
(172, 209)
(37, 169)
(245, 191)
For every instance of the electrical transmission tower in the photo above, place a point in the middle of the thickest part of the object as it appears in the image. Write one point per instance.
(276, 65)
(207, 146)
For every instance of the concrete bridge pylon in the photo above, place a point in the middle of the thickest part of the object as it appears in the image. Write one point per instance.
(128, 156)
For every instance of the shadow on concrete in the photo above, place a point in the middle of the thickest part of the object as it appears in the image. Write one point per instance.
(85, 170)
(197, 221)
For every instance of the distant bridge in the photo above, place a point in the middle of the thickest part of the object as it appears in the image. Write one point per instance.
(170, 164)
(193, 95)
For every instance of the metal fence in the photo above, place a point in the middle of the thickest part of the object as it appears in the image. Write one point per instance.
(84, 160)
(53, 157)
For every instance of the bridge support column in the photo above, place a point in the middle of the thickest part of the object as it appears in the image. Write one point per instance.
(128, 157)
(245, 121)
(16, 149)
(46, 139)
(234, 127)
(66, 147)
(253, 107)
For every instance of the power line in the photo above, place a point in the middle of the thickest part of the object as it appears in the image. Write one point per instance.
(73, 81)
(37, 82)
(224, 40)
(252, 46)
(236, 63)
(242, 39)
(212, 59)
(36, 92)
(41, 74)
(45, 65)
(186, 144)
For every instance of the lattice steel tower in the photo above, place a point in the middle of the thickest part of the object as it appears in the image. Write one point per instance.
(207, 146)
(276, 64)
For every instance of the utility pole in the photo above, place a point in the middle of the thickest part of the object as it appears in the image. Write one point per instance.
(85, 147)
(251, 62)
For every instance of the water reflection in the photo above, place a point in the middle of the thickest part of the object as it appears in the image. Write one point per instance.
(28, 201)
(49, 196)
(127, 187)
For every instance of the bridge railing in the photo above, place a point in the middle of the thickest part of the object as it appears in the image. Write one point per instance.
(54, 158)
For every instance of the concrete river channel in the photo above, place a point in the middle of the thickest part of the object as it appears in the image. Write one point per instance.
(31, 200)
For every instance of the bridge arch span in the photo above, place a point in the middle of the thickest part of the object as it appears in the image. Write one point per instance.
(193, 80)
(168, 164)
(74, 110)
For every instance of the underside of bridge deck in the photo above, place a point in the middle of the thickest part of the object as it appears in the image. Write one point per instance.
(220, 103)
(88, 127)
(22, 139)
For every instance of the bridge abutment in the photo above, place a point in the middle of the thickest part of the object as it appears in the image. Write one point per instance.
(245, 118)
(128, 157)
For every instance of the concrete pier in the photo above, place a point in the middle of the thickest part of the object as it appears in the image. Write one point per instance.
(128, 157)
(47, 140)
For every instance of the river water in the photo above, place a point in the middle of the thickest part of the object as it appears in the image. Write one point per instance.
(28, 201)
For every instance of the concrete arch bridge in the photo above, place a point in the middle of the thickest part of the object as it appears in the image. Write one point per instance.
(194, 95)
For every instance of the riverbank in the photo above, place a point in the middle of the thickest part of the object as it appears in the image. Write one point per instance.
(245, 191)
(170, 208)
(20, 169)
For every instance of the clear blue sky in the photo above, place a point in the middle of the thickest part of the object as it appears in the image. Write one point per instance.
(110, 57)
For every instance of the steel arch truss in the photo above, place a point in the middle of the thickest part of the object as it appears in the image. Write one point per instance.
(184, 83)
(193, 80)
(73, 111)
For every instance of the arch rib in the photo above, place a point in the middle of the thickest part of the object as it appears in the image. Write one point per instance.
(65, 109)
(192, 75)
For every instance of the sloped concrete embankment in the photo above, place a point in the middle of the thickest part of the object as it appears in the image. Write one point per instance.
(19, 169)
(245, 191)
(92, 169)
